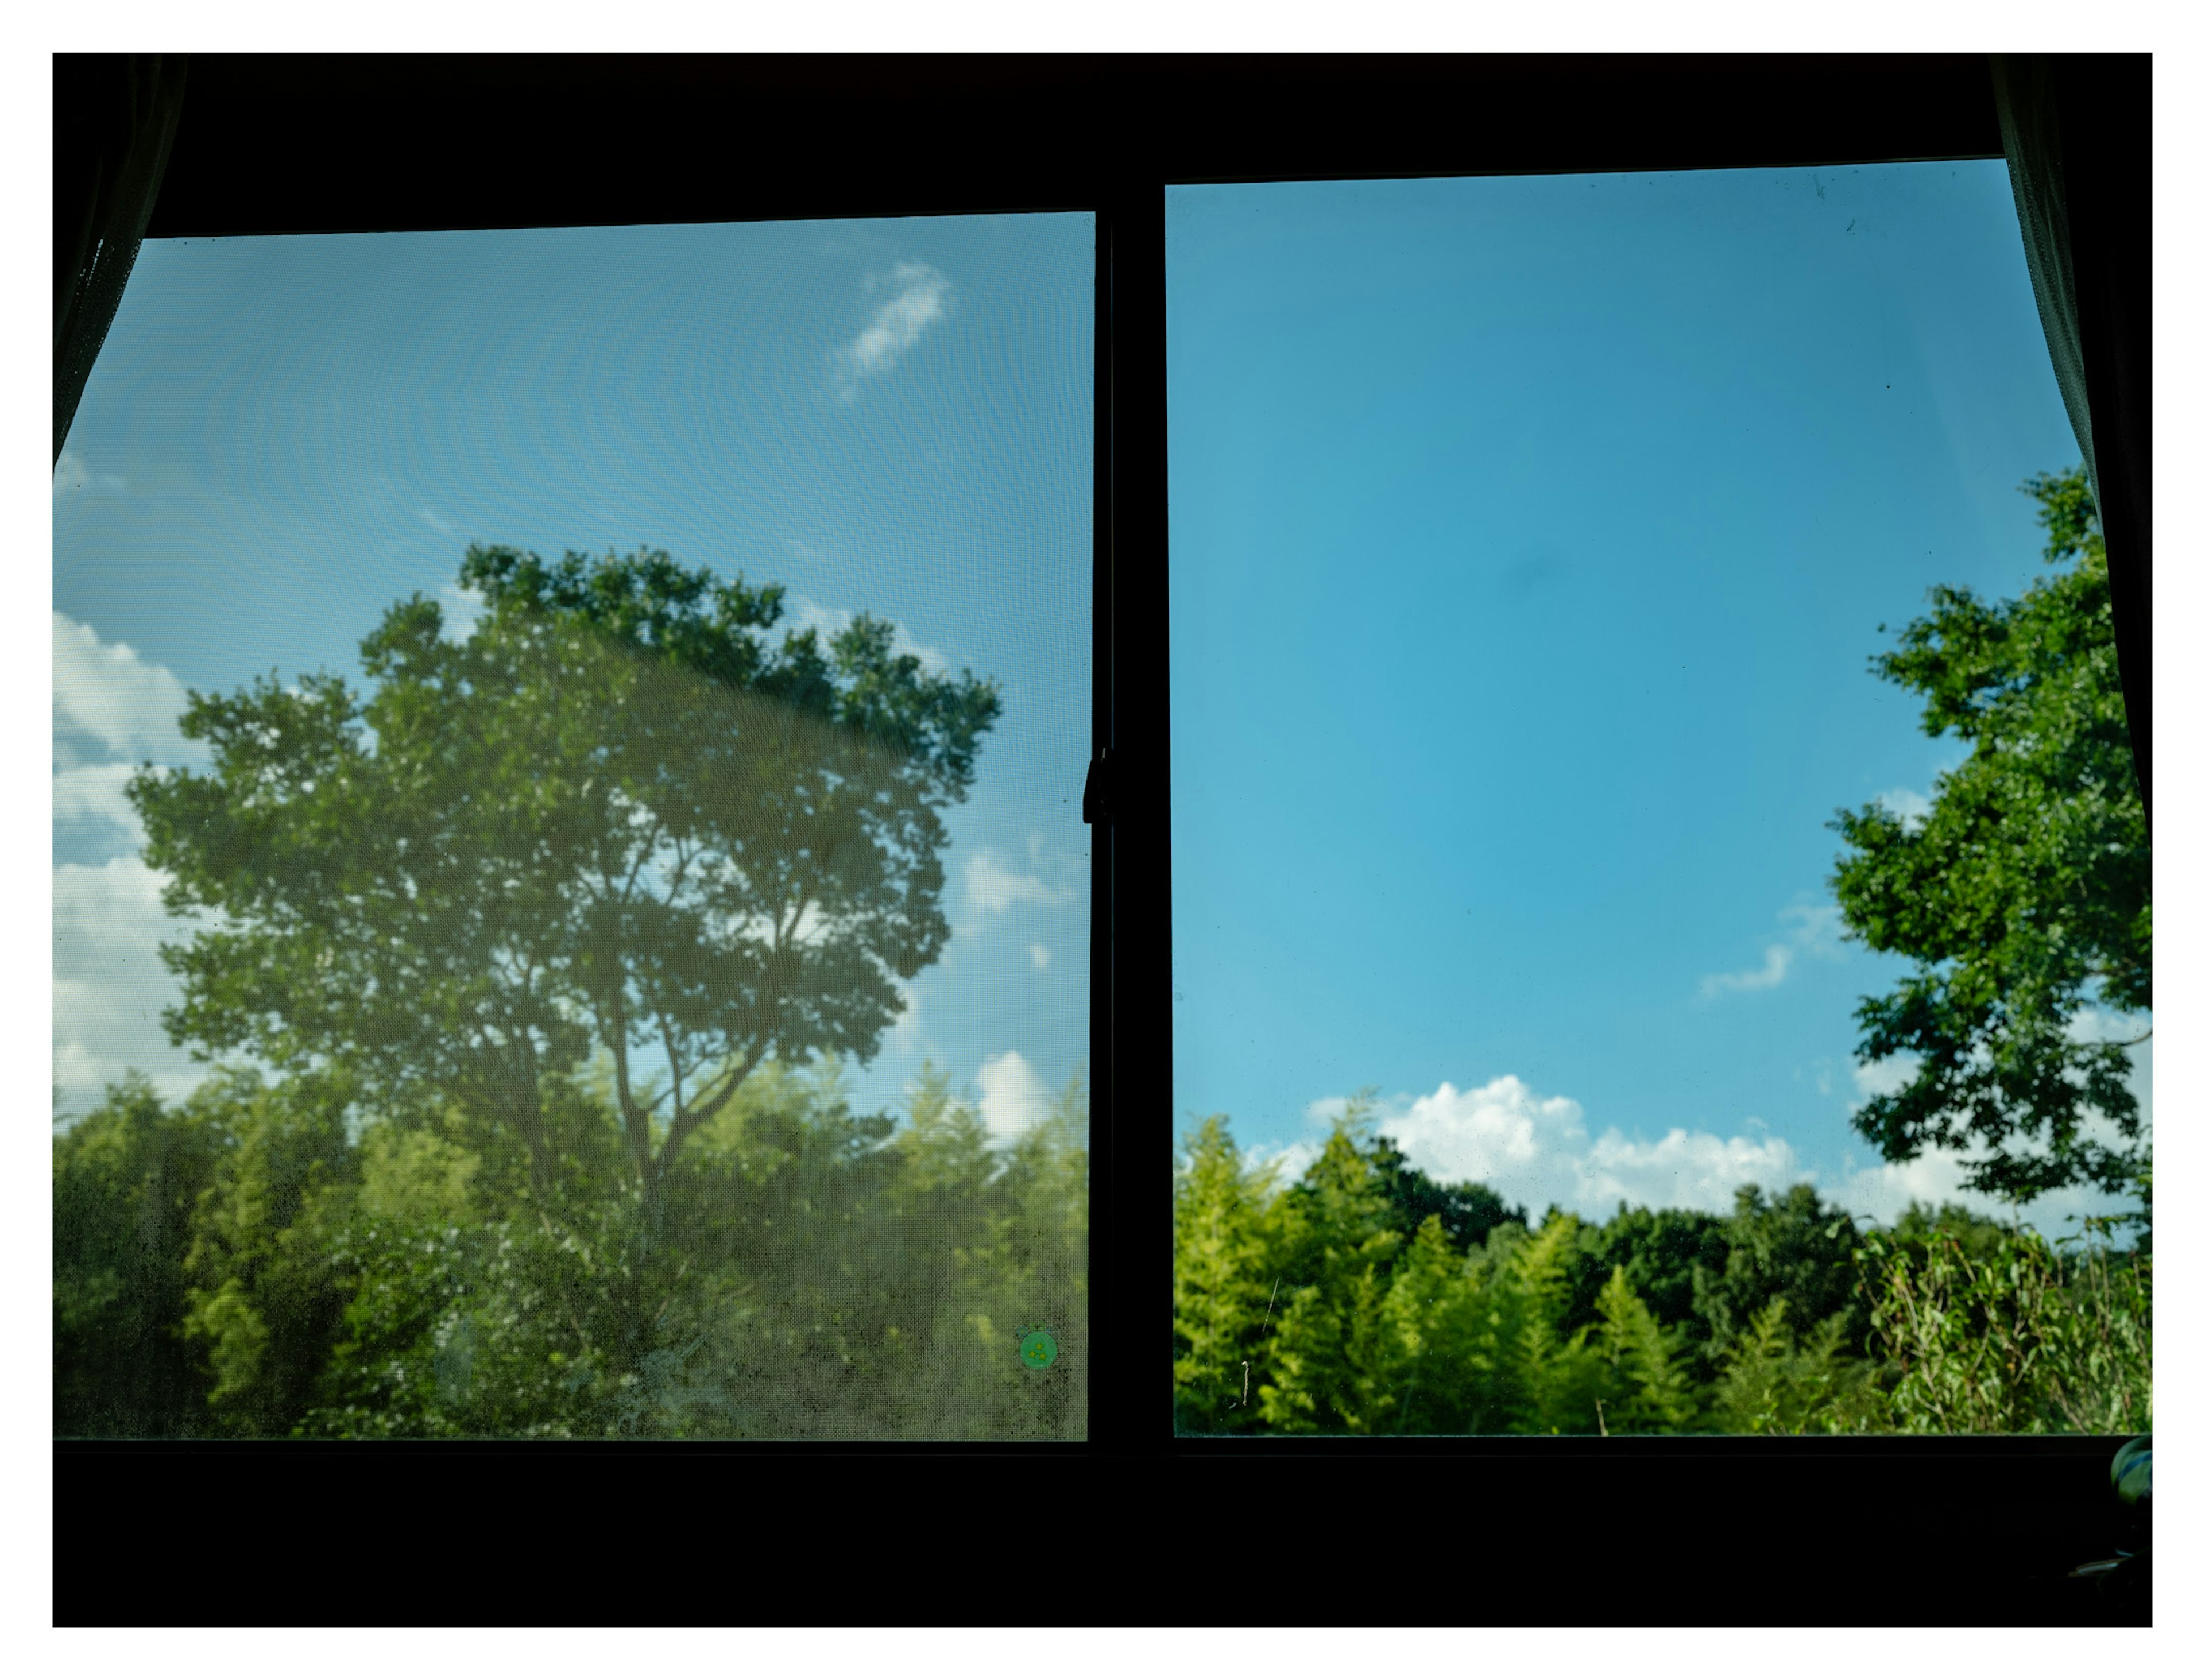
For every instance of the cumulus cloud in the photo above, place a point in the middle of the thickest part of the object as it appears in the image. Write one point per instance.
(104, 690)
(113, 711)
(994, 882)
(1882, 1192)
(1910, 808)
(1695, 1169)
(1810, 930)
(1536, 1149)
(93, 793)
(917, 297)
(109, 986)
(1011, 1096)
(1038, 954)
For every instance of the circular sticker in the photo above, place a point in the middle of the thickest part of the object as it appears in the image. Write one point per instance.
(1037, 1350)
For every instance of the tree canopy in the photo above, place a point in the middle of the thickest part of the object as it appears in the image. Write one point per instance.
(2024, 897)
(1316, 1307)
(616, 817)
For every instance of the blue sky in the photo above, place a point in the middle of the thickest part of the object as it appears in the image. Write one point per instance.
(283, 437)
(1529, 540)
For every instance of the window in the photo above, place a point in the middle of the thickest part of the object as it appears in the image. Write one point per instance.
(606, 707)
(1530, 538)
(291, 146)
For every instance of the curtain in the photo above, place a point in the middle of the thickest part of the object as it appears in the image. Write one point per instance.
(114, 119)
(2077, 137)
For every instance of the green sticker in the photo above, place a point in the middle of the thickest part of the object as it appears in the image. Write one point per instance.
(1037, 1348)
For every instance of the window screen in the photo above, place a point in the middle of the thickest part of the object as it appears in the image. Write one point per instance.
(1661, 920)
(570, 901)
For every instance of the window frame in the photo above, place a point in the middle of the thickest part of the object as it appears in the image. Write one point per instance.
(298, 144)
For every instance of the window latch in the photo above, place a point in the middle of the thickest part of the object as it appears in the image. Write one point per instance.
(1099, 802)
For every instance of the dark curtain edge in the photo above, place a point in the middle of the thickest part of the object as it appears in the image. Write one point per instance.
(115, 126)
(2077, 131)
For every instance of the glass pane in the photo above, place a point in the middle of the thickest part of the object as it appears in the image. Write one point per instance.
(570, 901)
(1544, 1059)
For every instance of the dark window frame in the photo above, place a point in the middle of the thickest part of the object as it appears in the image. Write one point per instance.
(276, 144)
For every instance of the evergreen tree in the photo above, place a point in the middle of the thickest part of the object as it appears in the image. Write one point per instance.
(1225, 1239)
(1332, 1357)
(1648, 1391)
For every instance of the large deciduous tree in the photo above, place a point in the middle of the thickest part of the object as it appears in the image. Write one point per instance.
(2025, 895)
(616, 817)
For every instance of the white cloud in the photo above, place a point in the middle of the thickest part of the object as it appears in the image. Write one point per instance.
(462, 609)
(1777, 963)
(919, 298)
(1501, 1130)
(1292, 1159)
(1685, 1169)
(993, 884)
(1536, 1150)
(106, 691)
(94, 794)
(1810, 930)
(1816, 929)
(903, 1037)
(1882, 1192)
(1886, 1077)
(113, 711)
(1910, 808)
(109, 985)
(1011, 1096)
(1039, 954)
(430, 519)
(806, 614)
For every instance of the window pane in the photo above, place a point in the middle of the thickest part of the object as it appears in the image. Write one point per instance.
(570, 901)
(1532, 541)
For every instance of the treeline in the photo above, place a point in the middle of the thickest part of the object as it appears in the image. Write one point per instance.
(258, 1260)
(1366, 1299)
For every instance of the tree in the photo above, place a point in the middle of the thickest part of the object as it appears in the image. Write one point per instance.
(2024, 897)
(1797, 1248)
(615, 817)
(1466, 1212)
(1333, 1357)
(1652, 1389)
(1772, 1384)
(127, 1177)
(1667, 1256)
(264, 1300)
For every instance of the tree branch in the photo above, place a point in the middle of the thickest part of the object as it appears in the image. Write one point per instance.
(634, 1120)
(686, 1122)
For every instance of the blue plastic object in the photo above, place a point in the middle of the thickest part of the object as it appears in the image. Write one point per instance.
(2132, 1471)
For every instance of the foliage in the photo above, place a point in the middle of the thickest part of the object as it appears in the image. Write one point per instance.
(545, 953)
(613, 818)
(1303, 1310)
(1774, 1384)
(127, 1178)
(2021, 1339)
(1467, 1213)
(2025, 896)
(822, 1275)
